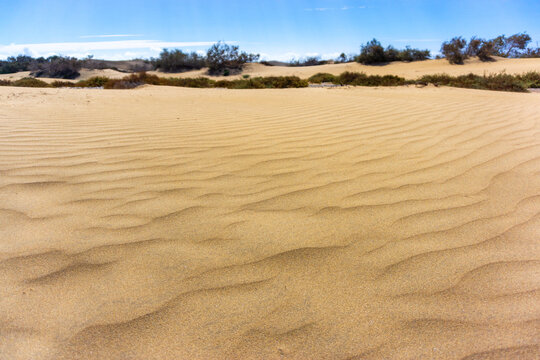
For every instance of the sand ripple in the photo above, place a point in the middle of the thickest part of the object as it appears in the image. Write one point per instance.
(167, 223)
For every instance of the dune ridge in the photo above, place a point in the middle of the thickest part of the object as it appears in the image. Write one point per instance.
(407, 70)
(172, 223)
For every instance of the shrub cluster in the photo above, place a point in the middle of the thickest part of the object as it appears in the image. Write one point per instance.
(309, 61)
(500, 82)
(358, 79)
(271, 82)
(323, 78)
(15, 64)
(515, 46)
(374, 53)
(58, 67)
(178, 61)
(25, 82)
(361, 79)
(225, 59)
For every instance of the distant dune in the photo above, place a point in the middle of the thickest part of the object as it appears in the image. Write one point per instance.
(411, 70)
(358, 223)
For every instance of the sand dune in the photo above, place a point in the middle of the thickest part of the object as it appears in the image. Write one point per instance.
(170, 223)
(411, 71)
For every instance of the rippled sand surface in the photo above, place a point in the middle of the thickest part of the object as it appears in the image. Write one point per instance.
(169, 223)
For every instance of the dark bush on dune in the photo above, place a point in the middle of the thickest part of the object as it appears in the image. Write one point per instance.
(15, 64)
(481, 48)
(515, 46)
(226, 59)
(374, 53)
(309, 61)
(409, 54)
(511, 46)
(178, 61)
(322, 78)
(453, 50)
(361, 79)
(5, 82)
(58, 67)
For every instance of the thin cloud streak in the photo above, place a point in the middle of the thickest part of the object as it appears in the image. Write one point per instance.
(109, 36)
(70, 48)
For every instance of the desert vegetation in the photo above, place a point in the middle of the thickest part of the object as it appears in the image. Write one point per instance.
(178, 61)
(457, 50)
(223, 59)
(308, 61)
(374, 53)
(498, 82)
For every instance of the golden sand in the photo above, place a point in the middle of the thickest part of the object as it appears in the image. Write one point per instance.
(170, 223)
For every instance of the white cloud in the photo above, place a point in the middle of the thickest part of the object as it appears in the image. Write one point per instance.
(151, 47)
(109, 36)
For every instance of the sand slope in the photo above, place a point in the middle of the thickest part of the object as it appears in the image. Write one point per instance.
(169, 223)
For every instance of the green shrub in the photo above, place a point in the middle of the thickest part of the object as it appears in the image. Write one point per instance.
(200, 82)
(361, 79)
(96, 81)
(499, 82)
(322, 77)
(30, 82)
(5, 83)
(271, 82)
(530, 80)
(59, 84)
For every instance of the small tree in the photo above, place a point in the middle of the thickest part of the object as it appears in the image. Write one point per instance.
(453, 50)
(342, 58)
(511, 46)
(371, 53)
(222, 58)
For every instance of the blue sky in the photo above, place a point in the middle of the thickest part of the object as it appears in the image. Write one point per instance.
(277, 29)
